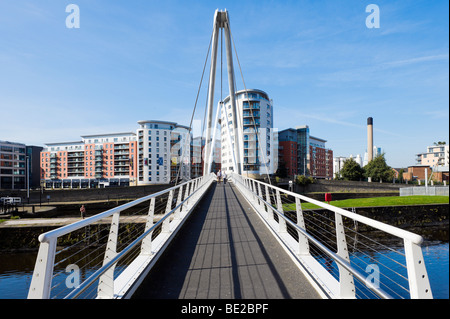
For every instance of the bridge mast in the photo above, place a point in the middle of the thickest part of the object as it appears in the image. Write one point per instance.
(221, 21)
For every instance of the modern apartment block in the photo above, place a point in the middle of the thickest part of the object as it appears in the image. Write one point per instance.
(304, 154)
(13, 165)
(436, 155)
(163, 152)
(151, 155)
(96, 160)
(255, 111)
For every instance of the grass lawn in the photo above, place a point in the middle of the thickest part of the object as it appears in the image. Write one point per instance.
(379, 201)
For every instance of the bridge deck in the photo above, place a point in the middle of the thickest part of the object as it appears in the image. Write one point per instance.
(225, 251)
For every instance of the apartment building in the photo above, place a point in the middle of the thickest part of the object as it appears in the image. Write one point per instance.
(12, 165)
(287, 144)
(321, 159)
(96, 160)
(157, 153)
(19, 165)
(304, 154)
(255, 113)
(436, 155)
(164, 151)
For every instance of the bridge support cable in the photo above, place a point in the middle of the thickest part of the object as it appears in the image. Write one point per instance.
(187, 141)
(122, 245)
(257, 133)
(347, 255)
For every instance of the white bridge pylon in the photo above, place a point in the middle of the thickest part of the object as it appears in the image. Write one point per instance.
(222, 21)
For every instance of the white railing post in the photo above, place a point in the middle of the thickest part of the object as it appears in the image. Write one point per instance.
(282, 228)
(146, 246)
(186, 195)
(253, 188)
(269, 208)
(178, 211)
(165, 226)
(303, 245)
(41, 281)
(105, 289)
(419, 284)
(260, 195)
(346, 284)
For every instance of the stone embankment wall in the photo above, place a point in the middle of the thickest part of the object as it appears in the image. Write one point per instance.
(87, 194)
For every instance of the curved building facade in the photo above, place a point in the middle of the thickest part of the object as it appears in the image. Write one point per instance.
(255, 134)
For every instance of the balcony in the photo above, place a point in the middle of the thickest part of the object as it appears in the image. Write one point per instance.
(121, 152)
(252, 105)
(251, 122)
(252, 114)
(76, 154)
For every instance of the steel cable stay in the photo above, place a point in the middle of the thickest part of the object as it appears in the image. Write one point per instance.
(88, 253)
(332, 246)
(322, 228)
(93, 254)
(281, 210)
(257, 132)
(195, 107)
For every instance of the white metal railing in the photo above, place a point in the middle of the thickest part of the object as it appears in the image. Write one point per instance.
(425, 190)
(108, 255)
(345, 255)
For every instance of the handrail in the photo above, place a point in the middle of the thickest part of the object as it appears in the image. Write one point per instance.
(404, 234)
(417, 277)
(46, 237)
(380, 292)
(89, 281)
(43, 274)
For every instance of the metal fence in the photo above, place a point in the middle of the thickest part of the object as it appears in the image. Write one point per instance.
(424, 190)
(345, 254)
(107, 255)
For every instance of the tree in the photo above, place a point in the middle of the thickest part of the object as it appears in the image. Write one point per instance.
(282, 170)
(303, 180)
(351, 170)
(378, 170)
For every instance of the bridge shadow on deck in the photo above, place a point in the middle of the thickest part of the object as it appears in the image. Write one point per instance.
(224, 252)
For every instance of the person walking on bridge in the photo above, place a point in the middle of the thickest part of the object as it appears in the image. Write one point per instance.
(83, 211)
(219, 176)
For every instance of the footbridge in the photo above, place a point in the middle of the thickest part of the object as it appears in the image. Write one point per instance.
(244, 239)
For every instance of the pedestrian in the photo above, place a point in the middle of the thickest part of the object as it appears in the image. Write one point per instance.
(83, 211)
(224, 178)
(219, 175)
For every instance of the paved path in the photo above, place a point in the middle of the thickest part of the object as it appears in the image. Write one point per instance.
(62, 221)
(225, 251)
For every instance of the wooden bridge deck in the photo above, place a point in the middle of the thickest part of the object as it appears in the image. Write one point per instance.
(224, 251)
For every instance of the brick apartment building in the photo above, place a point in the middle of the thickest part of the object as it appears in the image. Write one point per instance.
(303, 154)
(151, 155)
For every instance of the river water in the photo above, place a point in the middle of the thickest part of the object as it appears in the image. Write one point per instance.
(16, 270)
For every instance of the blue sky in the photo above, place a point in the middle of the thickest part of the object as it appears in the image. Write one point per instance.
(137, 60)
